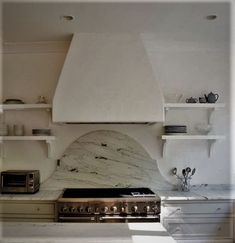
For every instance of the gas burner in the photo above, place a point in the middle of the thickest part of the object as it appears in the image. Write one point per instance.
(108, 205)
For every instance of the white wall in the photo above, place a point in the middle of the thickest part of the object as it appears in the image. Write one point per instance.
(191, 69)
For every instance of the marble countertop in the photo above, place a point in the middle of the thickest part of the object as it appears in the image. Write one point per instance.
(204, 192)
(84, 233)
(42, 195)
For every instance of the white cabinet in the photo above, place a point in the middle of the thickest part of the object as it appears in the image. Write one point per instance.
(28, 211)
(199, 221)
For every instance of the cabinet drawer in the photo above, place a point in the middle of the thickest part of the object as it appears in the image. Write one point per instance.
(200, 227)
(27, 208)
(179, 209)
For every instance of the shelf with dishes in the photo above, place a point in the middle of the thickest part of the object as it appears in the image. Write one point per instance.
(210, 107)
(211, 139)
(47, 139)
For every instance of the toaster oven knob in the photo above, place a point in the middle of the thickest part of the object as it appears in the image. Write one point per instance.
(114, 209)
(72, 209)
(134, 209)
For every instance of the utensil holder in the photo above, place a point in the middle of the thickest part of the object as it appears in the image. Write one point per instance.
(184, 184)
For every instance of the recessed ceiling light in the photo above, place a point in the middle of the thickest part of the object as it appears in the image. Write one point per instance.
(67, 17)
(211, 17)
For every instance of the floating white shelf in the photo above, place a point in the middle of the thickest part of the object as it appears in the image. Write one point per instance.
(48, 140)
(5, 107)
(193, 105)
(211, 139)
(209, 107)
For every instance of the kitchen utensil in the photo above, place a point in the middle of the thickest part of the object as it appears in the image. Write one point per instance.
(211, 97)
(183, 172)
(18, 130)
(191, 100)
(174, 171)
(202, 100)
(203, 128)
(193, 172)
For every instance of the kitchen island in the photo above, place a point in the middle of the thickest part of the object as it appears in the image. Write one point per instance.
(84, 233)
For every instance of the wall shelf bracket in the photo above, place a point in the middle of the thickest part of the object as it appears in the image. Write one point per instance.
(211, 144)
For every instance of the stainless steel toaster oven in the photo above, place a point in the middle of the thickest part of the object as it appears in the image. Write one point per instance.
(20, 181)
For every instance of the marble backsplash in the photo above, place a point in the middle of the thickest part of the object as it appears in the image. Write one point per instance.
(106, 158)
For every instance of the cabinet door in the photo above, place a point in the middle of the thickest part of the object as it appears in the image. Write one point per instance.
(27, 211)
(215, 228)
(216, 209)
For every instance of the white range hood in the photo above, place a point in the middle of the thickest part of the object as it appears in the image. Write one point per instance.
(107, 78)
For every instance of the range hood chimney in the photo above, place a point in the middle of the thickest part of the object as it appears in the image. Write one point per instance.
(107, 78)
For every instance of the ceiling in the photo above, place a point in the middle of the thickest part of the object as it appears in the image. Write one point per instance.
(24, 22)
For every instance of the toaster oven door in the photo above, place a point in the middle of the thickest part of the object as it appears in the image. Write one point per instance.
(14, 183)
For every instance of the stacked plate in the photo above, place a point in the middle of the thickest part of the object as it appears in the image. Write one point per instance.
(13, 101)
(175, 129)
(41, 132)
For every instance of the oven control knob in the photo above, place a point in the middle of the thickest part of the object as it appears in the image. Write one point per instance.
(105, 209)
(88, 209)
(64, 209)
(72, 210)
(123, 209)
(134, 209)
(114, 209)
(147, 209)
(80, 209)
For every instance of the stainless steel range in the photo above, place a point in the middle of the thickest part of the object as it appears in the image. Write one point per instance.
(101, 205)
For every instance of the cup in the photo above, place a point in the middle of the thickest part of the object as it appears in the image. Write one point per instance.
(18, 130)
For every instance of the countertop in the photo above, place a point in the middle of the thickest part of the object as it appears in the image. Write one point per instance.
(84, 233)
(202, 192)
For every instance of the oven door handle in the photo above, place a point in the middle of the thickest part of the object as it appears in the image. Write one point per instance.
(77, 218)
(128, 217)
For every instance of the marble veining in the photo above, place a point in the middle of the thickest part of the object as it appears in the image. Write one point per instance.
(106, 158)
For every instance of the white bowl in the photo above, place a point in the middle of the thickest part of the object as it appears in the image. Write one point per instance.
(203, 128)
(173, 98)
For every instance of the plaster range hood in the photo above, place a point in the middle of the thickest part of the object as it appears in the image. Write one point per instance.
(107, 78)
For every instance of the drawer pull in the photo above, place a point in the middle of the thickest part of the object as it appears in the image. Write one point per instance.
(219, 228)
(218, 209)
(38, 209)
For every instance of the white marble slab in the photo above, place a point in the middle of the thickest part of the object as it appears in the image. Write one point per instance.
(106, 158)
(84, 233)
